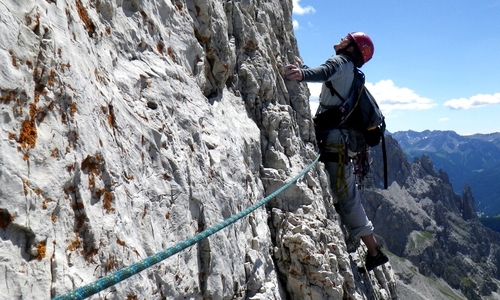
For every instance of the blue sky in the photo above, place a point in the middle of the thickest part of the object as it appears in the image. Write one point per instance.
(436, 63)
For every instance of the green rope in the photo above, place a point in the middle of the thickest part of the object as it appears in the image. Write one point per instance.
(112, 279)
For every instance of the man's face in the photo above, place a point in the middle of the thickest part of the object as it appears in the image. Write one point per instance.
(344, 42)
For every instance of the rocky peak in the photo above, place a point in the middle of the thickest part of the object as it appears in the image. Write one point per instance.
(423, 220)
(467, 207)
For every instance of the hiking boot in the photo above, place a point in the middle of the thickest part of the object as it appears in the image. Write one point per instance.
(371, 262)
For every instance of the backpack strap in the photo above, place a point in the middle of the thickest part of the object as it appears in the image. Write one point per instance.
(329, 85)
(349, 103)
(384, 155)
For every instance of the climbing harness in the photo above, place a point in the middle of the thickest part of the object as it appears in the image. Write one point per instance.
(112, 279)
(341, 158)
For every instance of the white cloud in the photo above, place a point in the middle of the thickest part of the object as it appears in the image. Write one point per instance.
(474, 101)
(315, 90)
(299, 10)
(444, 119)
(390, 97)
(295, 24)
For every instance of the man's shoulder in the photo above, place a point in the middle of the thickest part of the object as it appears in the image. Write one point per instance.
(340, 58)
(340, 62)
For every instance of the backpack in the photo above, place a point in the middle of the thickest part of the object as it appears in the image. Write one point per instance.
(359, 111)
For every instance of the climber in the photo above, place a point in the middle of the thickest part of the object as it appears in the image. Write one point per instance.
(352, 51)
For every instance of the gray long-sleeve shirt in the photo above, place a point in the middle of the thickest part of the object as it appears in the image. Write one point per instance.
(338, 69)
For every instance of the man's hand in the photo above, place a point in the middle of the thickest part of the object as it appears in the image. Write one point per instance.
(293, 73)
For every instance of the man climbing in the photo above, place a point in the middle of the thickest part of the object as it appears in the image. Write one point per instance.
(337, 77)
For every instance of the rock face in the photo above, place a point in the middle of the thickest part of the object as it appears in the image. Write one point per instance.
(129, 126)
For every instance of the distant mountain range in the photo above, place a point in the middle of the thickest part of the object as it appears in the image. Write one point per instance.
(473, 160)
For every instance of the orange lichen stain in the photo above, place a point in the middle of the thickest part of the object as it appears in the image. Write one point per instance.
(72, 109)
(160, 48)
(87, 22)
(14, 59)
(26, 156)
(54, 152)
(110, 265)
(132, 297)
(44, 203)
(25, 186)
(75, 244)
(9, 96)
(90, 253)
(250, 46)
(91, 163)
(28, 134)
(294, 272)
(64, 117)
(70, 168)
(52, 74)
(41, 250)
(120, 242)
(36, 95)
(170, 53)
(205, 39)
(78, 206)
(107, 201)
(53, 218)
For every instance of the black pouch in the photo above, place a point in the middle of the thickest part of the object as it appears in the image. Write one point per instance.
(373, 136)
(327, 120)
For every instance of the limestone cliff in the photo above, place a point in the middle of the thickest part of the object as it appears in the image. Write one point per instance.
(129, 126)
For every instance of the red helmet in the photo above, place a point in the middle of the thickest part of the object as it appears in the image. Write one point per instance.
(364, 43)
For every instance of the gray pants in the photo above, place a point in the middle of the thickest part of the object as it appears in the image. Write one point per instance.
(343, 183)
